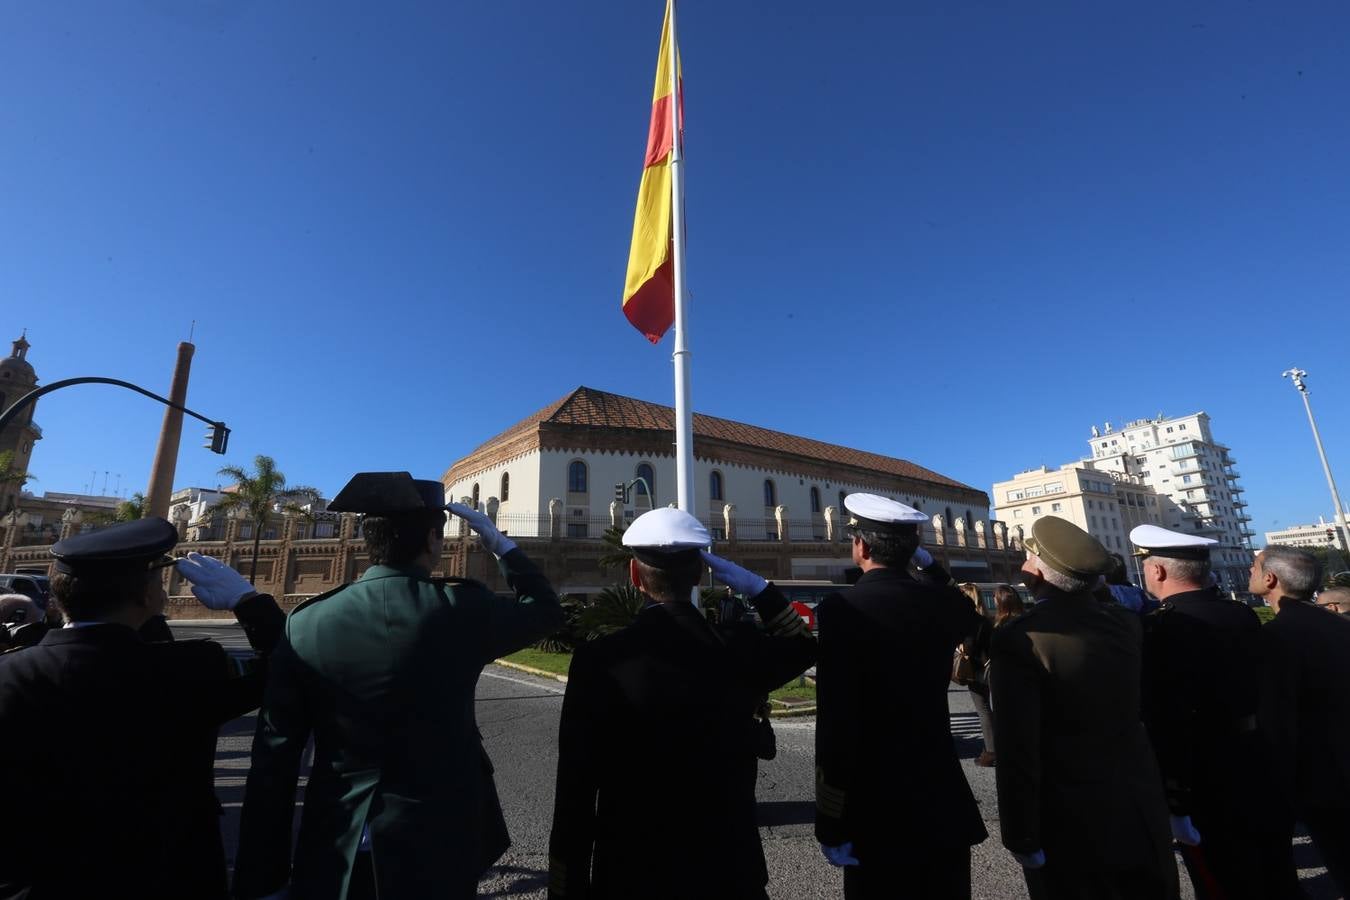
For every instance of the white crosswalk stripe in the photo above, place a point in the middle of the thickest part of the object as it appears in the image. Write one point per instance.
(965, 725)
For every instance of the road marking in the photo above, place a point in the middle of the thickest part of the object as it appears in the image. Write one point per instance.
(529, 684)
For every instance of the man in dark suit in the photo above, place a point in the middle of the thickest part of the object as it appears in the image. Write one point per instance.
(892, 804)
(127, 726)
(658, 739)
(401, 802)
(1202, 657)
(1305, 707)
(1080, 799)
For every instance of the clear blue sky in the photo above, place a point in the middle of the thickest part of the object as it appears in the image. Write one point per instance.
(955, 233)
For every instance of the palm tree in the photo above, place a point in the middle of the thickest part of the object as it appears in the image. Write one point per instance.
(259, 493)
(131, 510)
(616, 555)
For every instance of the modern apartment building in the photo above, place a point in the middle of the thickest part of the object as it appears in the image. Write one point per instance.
(1186, 480)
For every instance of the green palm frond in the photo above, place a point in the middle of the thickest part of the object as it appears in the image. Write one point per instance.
(612, 609)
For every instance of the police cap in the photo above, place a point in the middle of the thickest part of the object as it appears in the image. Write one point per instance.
(1151, 540)
(117, 549)
(1067, 549)
(388, 494)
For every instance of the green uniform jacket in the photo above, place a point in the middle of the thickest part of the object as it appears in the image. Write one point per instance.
(382, 674)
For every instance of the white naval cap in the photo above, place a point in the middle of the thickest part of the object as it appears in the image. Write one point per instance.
(1153, 540)
(666, 530)
(872, 511)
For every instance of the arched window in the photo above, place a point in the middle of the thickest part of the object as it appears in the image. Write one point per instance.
(715, 486)
(841, 503)
(970, 522)
(576, 477)
(815, 499)
(506, 486)
(770, 493)
(948, 517)
(474, 504)
(648, 475)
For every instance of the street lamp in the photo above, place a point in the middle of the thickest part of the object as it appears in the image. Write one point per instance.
(1297, 376)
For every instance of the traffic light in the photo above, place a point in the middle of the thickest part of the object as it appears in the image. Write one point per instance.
(217, 437)
(620, 495)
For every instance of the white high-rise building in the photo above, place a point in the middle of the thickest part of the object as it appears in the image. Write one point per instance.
(1180, 459)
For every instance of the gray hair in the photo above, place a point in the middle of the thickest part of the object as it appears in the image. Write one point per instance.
(1298, 570)
(1189, 571)
(1069, 584)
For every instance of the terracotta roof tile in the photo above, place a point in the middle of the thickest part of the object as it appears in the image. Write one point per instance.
(586, 407)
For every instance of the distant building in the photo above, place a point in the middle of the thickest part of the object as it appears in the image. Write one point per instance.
(1185, 475)
(768, 485)
(1323, 534)
(198, 511)
(1106, 506)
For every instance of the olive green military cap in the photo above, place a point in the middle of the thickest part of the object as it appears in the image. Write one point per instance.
(1068, 549)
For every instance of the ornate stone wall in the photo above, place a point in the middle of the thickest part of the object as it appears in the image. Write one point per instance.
(294, 570)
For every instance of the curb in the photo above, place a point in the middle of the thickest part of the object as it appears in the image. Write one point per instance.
(530, 670)
(795, 712)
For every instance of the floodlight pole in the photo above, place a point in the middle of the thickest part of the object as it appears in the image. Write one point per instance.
(1297, 376)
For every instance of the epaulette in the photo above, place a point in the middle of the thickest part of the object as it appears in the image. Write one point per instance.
(317, 597)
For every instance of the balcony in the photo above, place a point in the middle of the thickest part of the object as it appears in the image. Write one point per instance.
(1240, 502)
(1187, 451)
(1243, 517)
(1231, 474)
(1237, 489)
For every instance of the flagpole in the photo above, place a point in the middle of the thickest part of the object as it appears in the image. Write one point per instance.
(684, 412)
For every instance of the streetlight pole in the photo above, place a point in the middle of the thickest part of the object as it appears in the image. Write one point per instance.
(1297, 375)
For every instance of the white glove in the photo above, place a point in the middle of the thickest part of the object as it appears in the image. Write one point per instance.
(841, 855)
(1184, 832)
(215, 584)
(493, 540)
(741, 580)
(1031, 860)
(922, 558)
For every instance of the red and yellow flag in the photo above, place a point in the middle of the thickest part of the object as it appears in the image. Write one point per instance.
(649, 290)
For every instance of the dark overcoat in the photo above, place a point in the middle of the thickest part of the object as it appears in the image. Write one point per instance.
(657, 755)
(382, 674)
(109, 748)
(887, 774)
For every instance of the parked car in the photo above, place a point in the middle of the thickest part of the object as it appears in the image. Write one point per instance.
(36, 587)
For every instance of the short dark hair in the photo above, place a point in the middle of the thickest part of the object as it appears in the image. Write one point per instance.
(1118, 573)
(1008, 602)
(890, 548)
(87, 598)
(676, 577)
(398, 540)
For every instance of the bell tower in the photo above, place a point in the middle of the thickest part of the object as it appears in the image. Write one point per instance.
(18, 437)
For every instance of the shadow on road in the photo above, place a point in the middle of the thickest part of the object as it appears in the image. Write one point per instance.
(772, 813)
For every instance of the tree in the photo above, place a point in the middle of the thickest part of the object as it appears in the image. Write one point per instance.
(616, 555)
(261, 492)
(132, 509)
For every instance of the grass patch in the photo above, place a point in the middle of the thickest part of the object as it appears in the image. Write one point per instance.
(556, 663)
(793, 691)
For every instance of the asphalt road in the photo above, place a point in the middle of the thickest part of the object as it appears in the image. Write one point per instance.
(518, 715)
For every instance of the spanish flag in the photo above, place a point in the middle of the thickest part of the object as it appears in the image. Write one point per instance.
(649, 290)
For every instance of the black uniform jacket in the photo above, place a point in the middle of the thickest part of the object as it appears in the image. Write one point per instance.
(1306, 705)
(1203, 662)
(887, 775)
(1076, 774)
(656, 755)
(108, 753)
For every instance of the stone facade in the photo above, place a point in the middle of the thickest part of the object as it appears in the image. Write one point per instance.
(17, 378)
(293, 570)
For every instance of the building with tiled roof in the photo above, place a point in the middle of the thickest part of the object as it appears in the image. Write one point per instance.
(569, 456)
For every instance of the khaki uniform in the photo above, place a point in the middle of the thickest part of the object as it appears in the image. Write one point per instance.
(1076, 774)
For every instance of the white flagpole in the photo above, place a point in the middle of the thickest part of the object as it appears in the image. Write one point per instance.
(684, 411)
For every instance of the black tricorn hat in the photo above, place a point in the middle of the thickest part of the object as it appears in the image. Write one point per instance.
(388, 494)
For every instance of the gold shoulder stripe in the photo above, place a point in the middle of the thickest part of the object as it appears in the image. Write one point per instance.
(829, 799)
